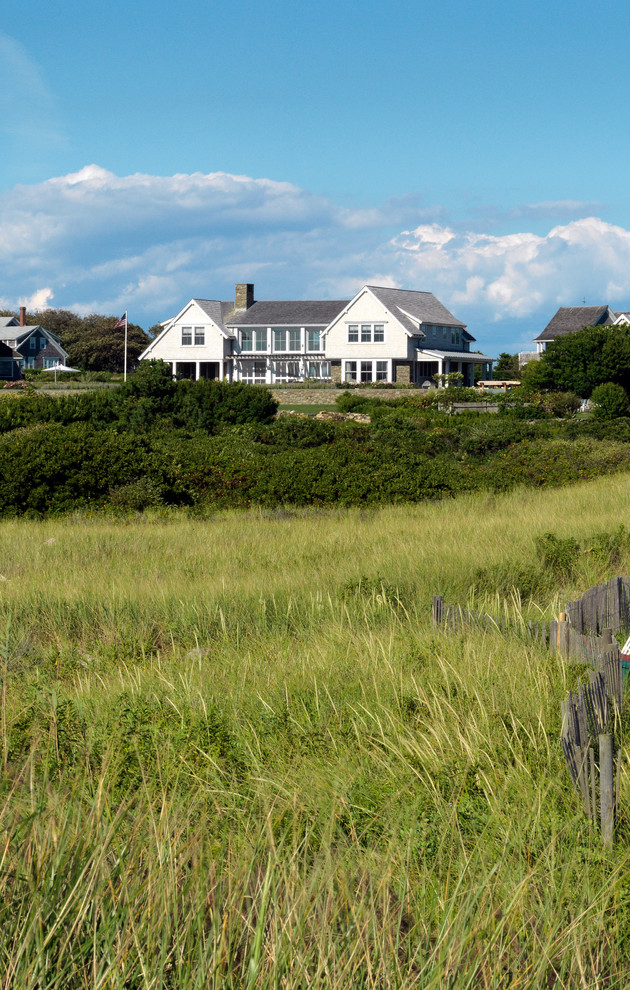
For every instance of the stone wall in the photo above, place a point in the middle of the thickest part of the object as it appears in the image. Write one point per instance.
(328, 396)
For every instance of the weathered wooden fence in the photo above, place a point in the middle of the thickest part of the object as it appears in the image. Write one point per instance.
(583, 634)
(556, 634)
(605, 606)
(587, 720)
(458, 618)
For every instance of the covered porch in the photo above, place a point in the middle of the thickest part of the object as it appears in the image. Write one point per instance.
(194, 370)
(434, 362)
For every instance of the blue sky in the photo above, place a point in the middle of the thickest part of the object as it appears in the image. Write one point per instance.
(151, 152)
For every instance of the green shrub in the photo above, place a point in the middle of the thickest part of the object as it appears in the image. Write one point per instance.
(610, 401)
(560, 556)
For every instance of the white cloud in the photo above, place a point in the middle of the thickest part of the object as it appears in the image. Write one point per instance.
(40, 299)
(102, 242)
(28, 114)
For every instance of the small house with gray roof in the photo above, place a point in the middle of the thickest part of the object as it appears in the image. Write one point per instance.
(31, 346)
(383, 334)
(568, 319)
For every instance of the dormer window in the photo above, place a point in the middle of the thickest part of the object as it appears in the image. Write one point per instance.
(33, 343)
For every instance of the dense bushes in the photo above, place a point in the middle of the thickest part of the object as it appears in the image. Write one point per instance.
(53, 466)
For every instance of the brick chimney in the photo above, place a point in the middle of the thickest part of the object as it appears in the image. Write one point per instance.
(244, 297)
(22, 316)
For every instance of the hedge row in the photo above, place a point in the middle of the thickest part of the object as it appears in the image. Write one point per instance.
(52, 468)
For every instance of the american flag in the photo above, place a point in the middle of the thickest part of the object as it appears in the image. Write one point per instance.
(122, 323)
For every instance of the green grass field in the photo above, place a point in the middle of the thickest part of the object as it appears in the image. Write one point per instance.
(235, 753)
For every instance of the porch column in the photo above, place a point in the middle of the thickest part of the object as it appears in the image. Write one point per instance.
(174, 363)
(221, 369)
(441, 370)
(390, 370)
(197, 370)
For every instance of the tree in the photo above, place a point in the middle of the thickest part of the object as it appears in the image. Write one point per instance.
(92, 342)
(507, 366)
(582, 360)
(610, 401)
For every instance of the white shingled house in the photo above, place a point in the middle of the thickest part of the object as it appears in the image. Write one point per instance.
(389, 335)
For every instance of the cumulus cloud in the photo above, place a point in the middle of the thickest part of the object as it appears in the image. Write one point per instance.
(518, 275)
(95, 241)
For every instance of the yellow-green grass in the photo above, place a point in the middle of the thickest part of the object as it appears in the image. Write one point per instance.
(237, 755)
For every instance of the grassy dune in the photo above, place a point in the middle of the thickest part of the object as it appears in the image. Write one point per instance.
(235, 754)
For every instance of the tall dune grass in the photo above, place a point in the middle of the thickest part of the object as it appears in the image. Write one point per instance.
(236, 754)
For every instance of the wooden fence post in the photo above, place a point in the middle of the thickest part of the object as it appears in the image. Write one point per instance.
(437, 610)
(563, 634)
(606, 793)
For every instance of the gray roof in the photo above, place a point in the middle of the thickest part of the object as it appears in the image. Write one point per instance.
(289, 312)
(14, 332)
(217, 311)
(468, 336)
(469, 357)
(8, 321)
(423, 306)
(568, 319)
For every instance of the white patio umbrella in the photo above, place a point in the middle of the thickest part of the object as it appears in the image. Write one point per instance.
(61, 367)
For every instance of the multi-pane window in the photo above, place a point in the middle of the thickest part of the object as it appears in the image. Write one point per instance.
(367, 333)
(254, 340)
(254, 372)
(200, 336)
(186, 336)
(279, 340)
(313, 340)
(365, 371)
(33, 343)
(294, 339)
(286, 371)
(50, 362)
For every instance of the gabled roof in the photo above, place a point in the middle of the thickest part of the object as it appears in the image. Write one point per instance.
(568, 319)
(421, 306)
(9, 321)
(288, 312)
(409, 308)
(217, 311)
(212, 308)
(16, 333)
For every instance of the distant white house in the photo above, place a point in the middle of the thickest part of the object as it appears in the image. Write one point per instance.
(388, 335)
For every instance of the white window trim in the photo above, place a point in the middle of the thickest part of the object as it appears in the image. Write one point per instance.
(358, 361)
(360, 324)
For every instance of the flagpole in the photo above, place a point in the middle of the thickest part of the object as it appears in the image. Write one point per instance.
(125, 345)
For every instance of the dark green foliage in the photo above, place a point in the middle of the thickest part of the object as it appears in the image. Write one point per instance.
(559, 556)
(154, 442)
(506, 367)
(581, 361)
(610, 401)
(92, 342)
